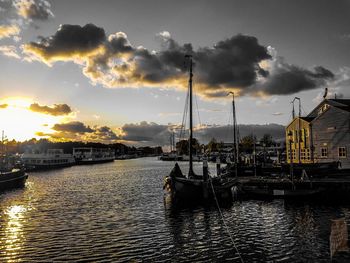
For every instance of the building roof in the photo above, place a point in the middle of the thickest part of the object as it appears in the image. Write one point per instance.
(308, 119)
(343, 104)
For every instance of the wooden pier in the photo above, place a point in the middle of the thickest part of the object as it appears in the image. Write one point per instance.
(330, 187)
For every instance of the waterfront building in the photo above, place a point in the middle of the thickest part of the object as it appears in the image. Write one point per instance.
(323, 136)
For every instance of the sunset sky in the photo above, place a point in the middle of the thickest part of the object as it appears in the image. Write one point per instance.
(114, 70)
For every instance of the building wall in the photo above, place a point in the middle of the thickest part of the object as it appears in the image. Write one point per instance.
(304, 137)
(331, 130)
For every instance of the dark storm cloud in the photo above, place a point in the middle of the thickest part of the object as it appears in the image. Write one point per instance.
(234, 64)
(72, 127)
(151, 133)
(289, 79)
(69, 41)
(55, 110)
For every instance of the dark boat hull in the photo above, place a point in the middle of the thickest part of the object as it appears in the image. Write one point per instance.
(288, 193)
(188, 189)
(197, 190)
(82, 162)
(13, 179)
(47, 167)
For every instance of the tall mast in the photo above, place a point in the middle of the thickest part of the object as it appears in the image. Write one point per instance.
(235, 143)
(190, 172)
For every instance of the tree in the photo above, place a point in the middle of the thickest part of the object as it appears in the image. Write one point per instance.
(182, 147)
(247, 143)
(212, 146)
(266, 140)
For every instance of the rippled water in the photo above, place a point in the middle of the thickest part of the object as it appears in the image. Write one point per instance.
(117, 212)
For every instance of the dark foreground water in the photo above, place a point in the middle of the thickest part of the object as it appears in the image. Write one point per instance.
(116, 212)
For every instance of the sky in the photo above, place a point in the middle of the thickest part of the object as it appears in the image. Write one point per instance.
(114, 71)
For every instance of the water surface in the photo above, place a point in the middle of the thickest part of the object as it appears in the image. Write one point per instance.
(117, 212)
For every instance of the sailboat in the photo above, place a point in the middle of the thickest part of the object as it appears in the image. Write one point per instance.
(9, 177)
(194, 187)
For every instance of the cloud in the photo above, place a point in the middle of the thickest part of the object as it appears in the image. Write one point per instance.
(9, 31)
(286, 79)
(153, 134)
(102, 134)
(146, 132)
(3, 106)
(225, 133)
(69, 42)
(78, 131)
(337, 87)
(72, 127)
(277, 113)
(238, 64)
(55, 110)
(33, 9)
(9, 51)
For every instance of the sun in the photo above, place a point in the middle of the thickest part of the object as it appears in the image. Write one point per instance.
(20, 123)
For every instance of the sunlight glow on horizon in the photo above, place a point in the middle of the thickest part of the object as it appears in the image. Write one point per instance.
(20, 123)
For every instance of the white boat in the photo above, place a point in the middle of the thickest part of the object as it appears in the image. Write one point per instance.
(53, 158)
(90, 155)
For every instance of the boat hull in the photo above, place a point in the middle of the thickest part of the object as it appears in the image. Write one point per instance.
(270, 193)
(197, 190)
(47, 167)
(13, 179)
(187, 189)
(82, 162)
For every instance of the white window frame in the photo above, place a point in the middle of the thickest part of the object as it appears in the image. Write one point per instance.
(326, 151)
(345, 152)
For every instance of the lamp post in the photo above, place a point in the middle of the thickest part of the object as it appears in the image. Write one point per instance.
(290, 140)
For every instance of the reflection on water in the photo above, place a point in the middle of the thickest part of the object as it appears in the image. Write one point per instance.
(118, 212)
(13, 235)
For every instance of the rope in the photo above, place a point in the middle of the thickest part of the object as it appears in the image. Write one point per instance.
(184, 118)
(229, 131)
(223, 220)
(195, 97)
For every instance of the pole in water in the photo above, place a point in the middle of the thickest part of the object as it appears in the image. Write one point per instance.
(218, 169)
(235, 142)
(190, 172)
(205, 170)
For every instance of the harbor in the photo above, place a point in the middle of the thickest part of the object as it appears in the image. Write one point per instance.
(123, 215)
(174, 131)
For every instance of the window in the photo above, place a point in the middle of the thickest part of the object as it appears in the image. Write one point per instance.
(307, 154)
(302, 154)
(342, 152)
(324, 152)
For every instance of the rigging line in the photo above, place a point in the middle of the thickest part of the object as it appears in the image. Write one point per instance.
(195, 98)
(223, 220)
(303, 110)
(229, 131)
(184, 117)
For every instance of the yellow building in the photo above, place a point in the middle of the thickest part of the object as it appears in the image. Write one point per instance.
(299, 140)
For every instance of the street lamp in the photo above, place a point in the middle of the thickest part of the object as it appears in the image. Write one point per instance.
(290, 140)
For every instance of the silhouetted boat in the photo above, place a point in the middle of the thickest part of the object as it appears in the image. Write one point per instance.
(12, 179)
(194, 188)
